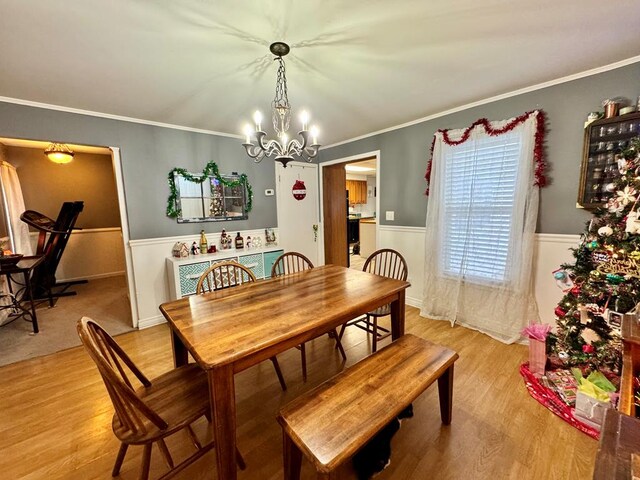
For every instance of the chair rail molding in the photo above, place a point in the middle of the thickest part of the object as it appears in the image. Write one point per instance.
(551, 250)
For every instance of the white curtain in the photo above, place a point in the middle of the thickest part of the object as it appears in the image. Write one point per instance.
(13, 205)
(481, 220)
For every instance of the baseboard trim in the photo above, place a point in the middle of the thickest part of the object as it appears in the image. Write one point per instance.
(151, 322)
(93, 277)
(413, 302)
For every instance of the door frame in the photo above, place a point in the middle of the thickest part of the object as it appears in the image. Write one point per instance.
(124, 225)
(351, 159)
(319, 212)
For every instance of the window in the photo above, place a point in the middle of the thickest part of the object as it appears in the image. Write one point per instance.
(481, 220)
(480, 178)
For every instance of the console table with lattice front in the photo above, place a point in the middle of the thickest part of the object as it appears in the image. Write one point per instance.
(183, 273)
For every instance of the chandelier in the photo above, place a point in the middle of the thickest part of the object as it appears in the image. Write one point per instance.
(282, 149)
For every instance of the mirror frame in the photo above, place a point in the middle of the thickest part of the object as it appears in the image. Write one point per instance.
(210, 172)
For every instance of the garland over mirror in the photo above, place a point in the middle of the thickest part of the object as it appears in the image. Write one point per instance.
(208, 196)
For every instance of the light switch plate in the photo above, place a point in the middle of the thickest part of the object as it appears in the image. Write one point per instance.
(269, 192)
(390, 214)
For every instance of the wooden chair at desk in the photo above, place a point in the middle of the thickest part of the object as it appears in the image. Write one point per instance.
(226, 275)
(386, 263)
(293, 262)
(158, 409)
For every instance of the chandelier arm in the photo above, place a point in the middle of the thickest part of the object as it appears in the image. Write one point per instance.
(252, 150)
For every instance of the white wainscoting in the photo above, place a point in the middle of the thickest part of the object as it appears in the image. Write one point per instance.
(551, 251)
(90, 254)
(150, 272)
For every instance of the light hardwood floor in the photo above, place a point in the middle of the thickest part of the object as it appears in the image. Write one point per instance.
(55, 415)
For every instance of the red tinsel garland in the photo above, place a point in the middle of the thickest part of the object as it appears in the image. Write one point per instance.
(538, 152)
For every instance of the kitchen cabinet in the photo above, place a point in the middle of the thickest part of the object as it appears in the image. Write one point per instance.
(367, 237)
(357, 192)
(183, 273)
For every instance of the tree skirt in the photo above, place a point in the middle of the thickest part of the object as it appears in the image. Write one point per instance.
(550, 399)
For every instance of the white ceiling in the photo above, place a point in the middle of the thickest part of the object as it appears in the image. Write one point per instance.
(358, 66)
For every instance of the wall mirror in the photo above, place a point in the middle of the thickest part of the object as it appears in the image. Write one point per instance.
(208, 197)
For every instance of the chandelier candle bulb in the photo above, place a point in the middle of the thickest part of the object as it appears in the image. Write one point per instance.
(257, 119)
(314, 135)
(304, 118)
(248, 132)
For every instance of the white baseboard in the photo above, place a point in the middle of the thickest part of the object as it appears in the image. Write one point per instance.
(413, 302)
(93, 277)
(151, 322)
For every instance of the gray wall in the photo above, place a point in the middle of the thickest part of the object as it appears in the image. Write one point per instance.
(404, 152)
(46, 185)
(148, 154)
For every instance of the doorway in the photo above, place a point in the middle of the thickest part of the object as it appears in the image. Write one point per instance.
(95, 252)
(350, 201)
(297, 205)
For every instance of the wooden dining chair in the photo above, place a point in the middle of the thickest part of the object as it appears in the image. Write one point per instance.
(293, 262)
(155, 410)
(231, 274)
(224, 275)
(386, 263)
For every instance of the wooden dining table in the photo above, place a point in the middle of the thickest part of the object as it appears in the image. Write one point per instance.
(230, 330)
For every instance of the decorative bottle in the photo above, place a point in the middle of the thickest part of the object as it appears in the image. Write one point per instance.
(239, 241)
(204, 245)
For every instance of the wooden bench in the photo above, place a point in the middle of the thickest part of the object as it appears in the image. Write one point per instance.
(330, 423)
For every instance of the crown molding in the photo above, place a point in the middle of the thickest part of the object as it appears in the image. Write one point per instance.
(59, 108)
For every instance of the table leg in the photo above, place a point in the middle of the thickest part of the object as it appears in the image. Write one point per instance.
(445, 392)
(180, 353)
(27, 285)
(397, 316)
(223, 406)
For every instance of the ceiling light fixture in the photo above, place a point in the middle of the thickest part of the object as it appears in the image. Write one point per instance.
(59, 153)
(282, 149)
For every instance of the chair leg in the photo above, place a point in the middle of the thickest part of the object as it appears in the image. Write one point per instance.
(303, 358)
(146, 461)
(339, 344)
(344, 325)
(119, 459)
(165, 454)
(274, 360)
(374, 343)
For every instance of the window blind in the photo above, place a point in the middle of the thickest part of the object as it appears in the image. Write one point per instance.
(480, 177)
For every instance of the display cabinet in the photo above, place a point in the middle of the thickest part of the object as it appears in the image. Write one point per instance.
(183, 273)
(604, 139)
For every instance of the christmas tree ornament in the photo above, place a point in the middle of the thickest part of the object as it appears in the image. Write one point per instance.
(633, 223)
(605, 231)
(595, 275)
(589, 335)
(559, 311)
(610, 187)
(563, 280)
(592, 245)
(614, 279)
(627, 195)
(576, 290)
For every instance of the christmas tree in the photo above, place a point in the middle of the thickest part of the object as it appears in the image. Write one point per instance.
(604, 281)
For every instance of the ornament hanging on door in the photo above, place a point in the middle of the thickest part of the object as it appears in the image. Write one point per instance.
(299, 190)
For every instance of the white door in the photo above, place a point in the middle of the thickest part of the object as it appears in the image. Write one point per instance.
(298, 217)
